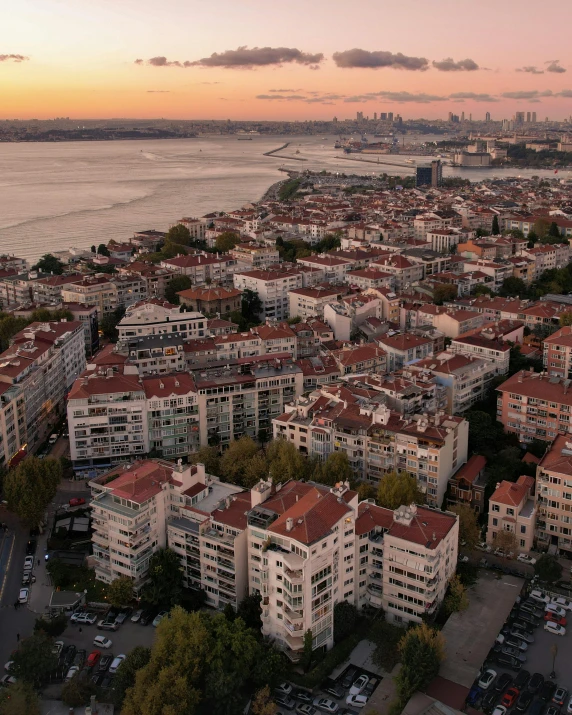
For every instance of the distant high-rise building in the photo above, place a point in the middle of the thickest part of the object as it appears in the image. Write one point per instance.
(375, 116)
(470, 117)
(450, 116)
(334, 120)
(383, 116)
(390, 116)
(488, 117)
(436, 173)
(534, 117)
(528, 117)
(462, 116)
(359, 116)
(429, 174)
(519, 118)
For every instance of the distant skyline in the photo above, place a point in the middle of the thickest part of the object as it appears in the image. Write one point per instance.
(254, 59)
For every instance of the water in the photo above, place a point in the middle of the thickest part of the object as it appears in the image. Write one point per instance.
(53, 196)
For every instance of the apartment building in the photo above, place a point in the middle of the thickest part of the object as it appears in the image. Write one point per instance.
(106, 292)
(211, 300)
(367, 278)
(310, 302)
(252, 255)
(156, 317)
(197, 227)
(203, 269)
(467, 485)
(512, 508)
(333, 266)
(13, 440)
(554, 497)
(48, 289)
(87, 316)
(361, 359)
(557, 356)
(404, 348)
(534, 406)
(272, 287)
(156, 278)
(405, 271)
(43, 361)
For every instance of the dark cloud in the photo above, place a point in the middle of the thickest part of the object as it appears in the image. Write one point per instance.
(449, 65)
(529, 94)
(565, 93)
(530, 69)
(13, 58)
(374, 60)
(474, 96)
(420, 97)
(553, 66)
(248, 58)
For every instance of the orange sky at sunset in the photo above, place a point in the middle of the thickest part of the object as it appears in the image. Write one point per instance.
(305, 59)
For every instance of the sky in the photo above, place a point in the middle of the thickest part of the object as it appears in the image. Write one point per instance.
(294, 60)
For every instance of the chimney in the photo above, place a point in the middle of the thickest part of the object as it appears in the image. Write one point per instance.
(289, 524)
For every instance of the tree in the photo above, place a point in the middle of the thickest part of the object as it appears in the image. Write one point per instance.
(249, 610)
(262, 703)
(513, 287)
(108, 323)
(127, 672)
(34, 660)
(469, 530)
(9, 326)
(270, 666)
(284, 461)
(262, 436)
(94, 249)
(345, 620)
(19, 699)
(43, 315)
(541, 226)
(365, 491)
(482, 289)
(31, 487)
(565, 318)
(166, 579)
(386, 637)
(548, 568)
(481, 427)
(120, 591)
(226, 241)
(495, 227)
(444, 292)
(251, 305)
(235, 459)
(49, 264)
(554, 231)
(210, 457)
(170, 683)
(456, 598)
(307, 652)
(335, 469)
(176, 285)
(178, 234)
(422, 649)
(52, 627)
(505, 540)
(255, 469)
(77, 691)
(397, 489)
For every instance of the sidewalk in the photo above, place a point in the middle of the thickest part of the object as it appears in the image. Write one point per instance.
(41, 591)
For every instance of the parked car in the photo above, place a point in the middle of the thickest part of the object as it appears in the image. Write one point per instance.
(7, 680)
(508, 661)
(514, 652)
(104, 662)
(569, 705)
(553, 710)
(535, 683)
(306, 709)
(559, 697)
(76, 501)
(499, 710)
(136, 617)
(509, 698)
(285, 701)
(97, 679)
(24, 595)
(359, 684)
(483, 546)
(107, 681)
(31, 547)
(526, 559)
(474, 696)
(502, 683)
(57, 647)
(74, 670)
(521, 680)
(116, 663)
(487, 679)
(67, 655)
(283, 689)
(107, 626)
(326, 705)
(303, 696)
(102, 642)
(159, 617)
(563, 602)
(536, 708)
(529, 618)
(147, 616)
(554, 628)
(547, 690)
(336, 691)
(538, 595)
(79, 658)
(523, 702)
(517, 643)
(553, 618)
(93, 658)
(533, 608)
(522, 634)
(489, 701)
(556, 610)
(121, 617)
(357, 701)
(349, 678)
(28, 578)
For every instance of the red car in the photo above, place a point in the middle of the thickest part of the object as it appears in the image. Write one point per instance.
(77, 501)
(509, 698)
(93, 658)
(555, 619)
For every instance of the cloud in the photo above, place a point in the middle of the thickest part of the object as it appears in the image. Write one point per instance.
(13, 58)
(449, 65)
(553, 66)
(529, 94)
(248, 58)
(158, 91)
(374, 60)
(565, 93)
(210, 82)
(530, 69)
(285, 90)
(320, 99)
(474, 96)
(282, 97)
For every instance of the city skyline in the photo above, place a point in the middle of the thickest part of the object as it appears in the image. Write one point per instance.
(297, 62)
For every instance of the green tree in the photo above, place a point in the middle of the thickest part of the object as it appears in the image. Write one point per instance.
(554, 231)
(565, 318)
(166, 579)
(226, 241)
(255, 469)
(31, 487)
(365, 491)
(541, 227)
(284, 461)
(49, 264)
(34, 660)
(456, 598)
(345, 620)
(397, 489)
(307, 652)
(495, 227)
(108, 323)
(52, 627)
(513, 287)
(444, 292)
(270, 666)
(505, 540)
(176, 285)
(43, 315)
(210, 457)
(251, 306)
(124, 679)
(249, 610)
(120, 591)
(469, 530)
(77, 691)
(179, 235)
(19, 699)
(481, 427)
(262, 703)
(335, 469)
(548, 568)
(9, 326)
(386, 637)
(236, 457)
(170, 683)
(482, 289)
(422, 649)
(532, 238)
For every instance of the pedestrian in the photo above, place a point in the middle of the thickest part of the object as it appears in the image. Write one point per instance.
(18, 637)
(38, 562)
(80, 629)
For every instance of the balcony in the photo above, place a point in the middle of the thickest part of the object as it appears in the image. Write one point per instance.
(295, 576)
(294, 628)
(293, 615)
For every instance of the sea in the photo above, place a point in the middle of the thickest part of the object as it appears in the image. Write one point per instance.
(54, 196)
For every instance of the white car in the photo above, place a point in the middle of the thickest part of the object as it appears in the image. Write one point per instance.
(483, 546)
(136, 616)
(102, 642)
(28, 563)
(554, 628)
(487, 679)
(8, 665)
(359, 684)
(159, 617)
(358, 701)
(24, 595)
(539, 596)
(7, 680)
(569, 705)
(555, 610)
(562, 602)
(463, 559)
(116, 663)
(499, 710)
(326, 705)
(71, 672)
(526, 559)
(57, 647)
(283, 689)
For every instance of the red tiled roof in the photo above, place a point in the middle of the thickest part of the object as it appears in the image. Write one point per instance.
(511, 493)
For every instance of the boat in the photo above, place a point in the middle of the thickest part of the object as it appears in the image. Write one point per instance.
(244, 139)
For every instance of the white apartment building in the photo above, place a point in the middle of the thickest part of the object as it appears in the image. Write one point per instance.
(272, 287)
(203, 268)
(310, 302)
(334, 268)
(252, 256)
(156, 317)
(12, 423)
(106, 292)
(553, 499)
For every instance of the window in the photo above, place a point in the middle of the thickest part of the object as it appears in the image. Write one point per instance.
(495, 522)
(496, 507)
(523, 529)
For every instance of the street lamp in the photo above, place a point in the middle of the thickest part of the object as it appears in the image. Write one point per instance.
(554, 651)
